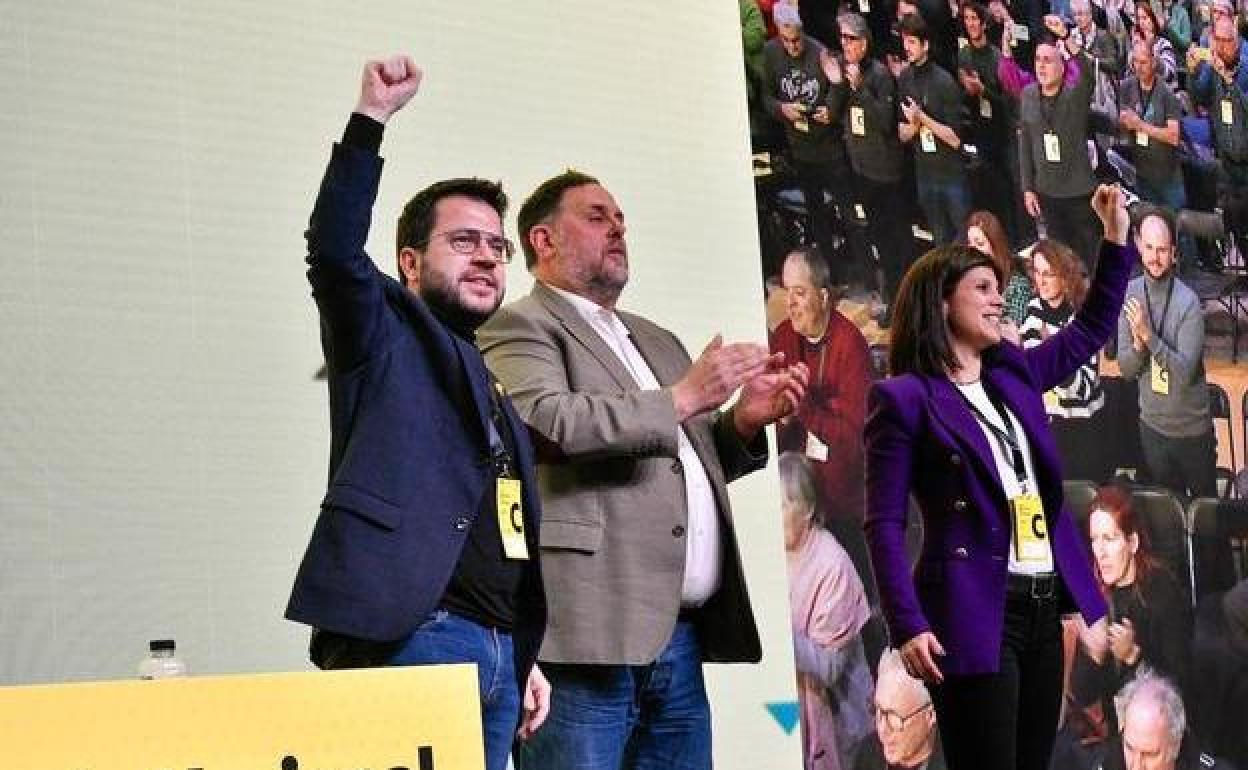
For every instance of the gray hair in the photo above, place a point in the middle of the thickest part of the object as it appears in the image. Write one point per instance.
(1150, 687)
(892, 671)
(786, 14)
(797, 480)
(855, 25)
(1080, 5)
(820, 274)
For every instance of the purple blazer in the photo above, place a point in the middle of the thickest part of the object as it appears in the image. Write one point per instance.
(921, 438)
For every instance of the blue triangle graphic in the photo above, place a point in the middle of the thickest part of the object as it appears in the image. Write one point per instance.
(784, 712)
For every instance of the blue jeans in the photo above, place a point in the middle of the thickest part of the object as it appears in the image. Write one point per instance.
(448, 638)
(603, 717)
(946, 205)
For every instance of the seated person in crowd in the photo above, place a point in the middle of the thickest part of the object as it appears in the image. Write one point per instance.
(1149, 611)
(1075, 405)
(827, 426)
(1219, 697)
(1154, 736)
(905, 723)
(828, 609)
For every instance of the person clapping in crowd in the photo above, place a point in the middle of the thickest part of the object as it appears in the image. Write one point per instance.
(1161, 343)
(1149, 612)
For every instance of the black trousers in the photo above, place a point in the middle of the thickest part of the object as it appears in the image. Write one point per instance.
(1007, 720)
(889, 217)
(825, 188)
(1186, 465)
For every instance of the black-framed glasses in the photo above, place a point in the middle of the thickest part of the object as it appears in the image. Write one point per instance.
(467, 240)
(894, 721)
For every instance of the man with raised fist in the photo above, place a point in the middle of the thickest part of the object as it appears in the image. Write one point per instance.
(425, 548)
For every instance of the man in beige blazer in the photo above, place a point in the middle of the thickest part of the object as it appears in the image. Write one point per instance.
(642, 571)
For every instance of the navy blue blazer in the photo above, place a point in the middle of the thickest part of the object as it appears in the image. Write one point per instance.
(409, 449)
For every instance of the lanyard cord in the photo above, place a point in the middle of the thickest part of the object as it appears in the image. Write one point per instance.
(1008, 438)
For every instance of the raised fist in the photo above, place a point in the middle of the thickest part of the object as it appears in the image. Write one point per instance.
(386, 85)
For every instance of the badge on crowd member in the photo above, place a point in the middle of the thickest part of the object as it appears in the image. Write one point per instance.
(1031, 532)
(860, 212)
(1051, 398)
(857, 121)
(1022, 33)
(1141, 138)
(801, 124)
(1161, 379)
(1052, 148)
(962, 42)
(985, 108)
(511, 519)
(927, 140)
(1228, 112)
(816, 450)
(864, 6)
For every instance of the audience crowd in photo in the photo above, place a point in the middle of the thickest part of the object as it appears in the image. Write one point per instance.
(882, 128)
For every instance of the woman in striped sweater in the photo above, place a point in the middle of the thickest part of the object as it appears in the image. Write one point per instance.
(1073, 406)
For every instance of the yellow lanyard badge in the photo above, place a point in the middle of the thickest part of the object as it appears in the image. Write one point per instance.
(1161, 379)
(511, 519)
(1031, 530)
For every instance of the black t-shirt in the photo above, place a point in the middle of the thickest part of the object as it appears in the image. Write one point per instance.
(485, 583)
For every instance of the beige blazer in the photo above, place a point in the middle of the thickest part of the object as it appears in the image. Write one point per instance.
(613, 493)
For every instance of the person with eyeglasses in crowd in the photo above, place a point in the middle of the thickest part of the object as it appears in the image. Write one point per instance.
(425, 548)
(864, 91)
(906, 737)
(1220, 87)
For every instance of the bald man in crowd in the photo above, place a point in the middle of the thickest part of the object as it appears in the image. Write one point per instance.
(1161, 342)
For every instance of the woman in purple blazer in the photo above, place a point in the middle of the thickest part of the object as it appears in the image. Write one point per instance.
(961, 426)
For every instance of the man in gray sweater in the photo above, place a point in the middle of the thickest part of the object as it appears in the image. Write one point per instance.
(1053, 131)
(1161, 342)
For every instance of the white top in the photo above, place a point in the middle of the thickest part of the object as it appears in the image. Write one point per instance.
(702, 545)
(974, 393)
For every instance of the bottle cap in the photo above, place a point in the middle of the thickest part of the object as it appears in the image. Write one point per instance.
(161, 644)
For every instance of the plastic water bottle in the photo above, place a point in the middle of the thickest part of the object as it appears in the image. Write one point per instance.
(162, 663)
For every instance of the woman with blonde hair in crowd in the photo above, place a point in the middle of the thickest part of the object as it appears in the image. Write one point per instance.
(985, 234)
(1074, 405)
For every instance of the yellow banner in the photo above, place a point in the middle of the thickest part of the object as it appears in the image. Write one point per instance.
(415, 718)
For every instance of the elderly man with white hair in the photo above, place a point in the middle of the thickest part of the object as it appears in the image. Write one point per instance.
(1154, 725)
(905, 722)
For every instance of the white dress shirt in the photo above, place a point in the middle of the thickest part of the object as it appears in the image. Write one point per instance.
(702, 546)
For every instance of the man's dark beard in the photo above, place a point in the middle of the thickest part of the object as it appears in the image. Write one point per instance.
(441, 299)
